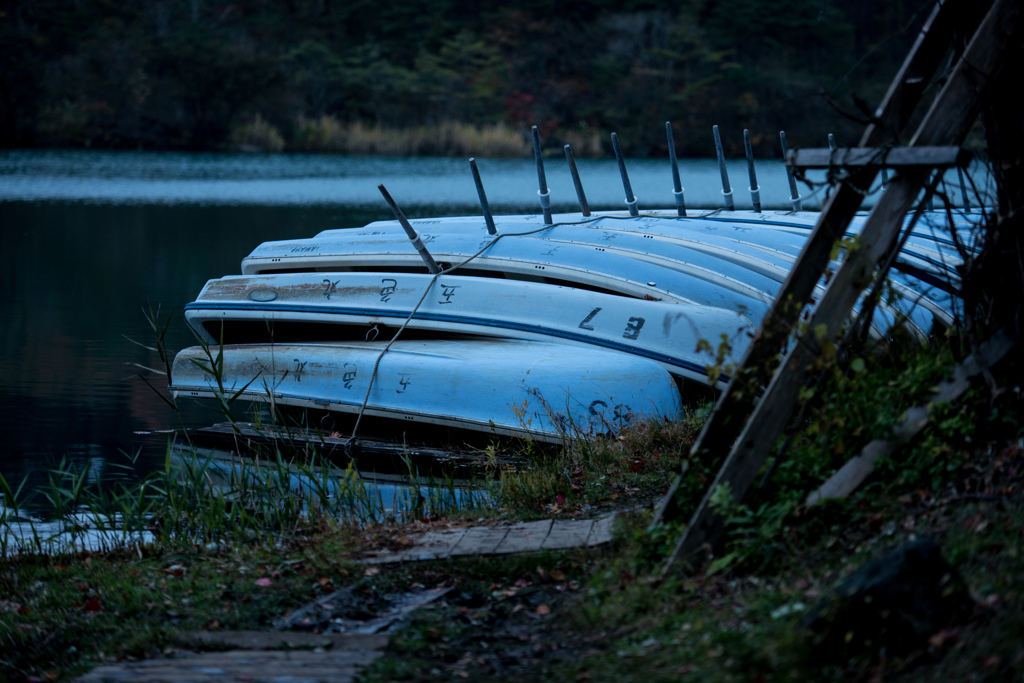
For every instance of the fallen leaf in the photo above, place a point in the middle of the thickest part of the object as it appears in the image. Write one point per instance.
(92, 605)
(992, 661)
(944, 636)
(557, 575)
(264, 582)
(542, 610)
(371, 571)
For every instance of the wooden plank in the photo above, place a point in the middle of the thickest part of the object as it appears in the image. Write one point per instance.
(270, 640)
(433, 545)
(601, 533)
(248, 438)
(525, 537)
(568, 533)
(948, 119)
(729, 417)
(480, 540)
(852, 474)
(436, 545)
(890, 157)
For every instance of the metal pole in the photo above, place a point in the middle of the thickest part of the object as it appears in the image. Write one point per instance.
(584, 206)
(542, 181)
(630, 199)
(832, 147)
(755, 191)
(885, 177)
(677, 185)
(414, 236)
(726, 188)
(491, 230)
(794, 196)
(963, 189)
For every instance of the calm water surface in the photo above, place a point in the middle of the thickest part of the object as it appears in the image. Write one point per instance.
(93, 239)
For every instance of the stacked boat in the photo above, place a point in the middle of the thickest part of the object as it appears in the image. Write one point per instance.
(526, 325)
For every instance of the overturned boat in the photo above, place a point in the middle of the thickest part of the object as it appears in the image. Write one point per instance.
(548, 392)
(542, 325)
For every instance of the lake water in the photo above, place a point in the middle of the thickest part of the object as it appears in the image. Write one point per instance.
(93, 239)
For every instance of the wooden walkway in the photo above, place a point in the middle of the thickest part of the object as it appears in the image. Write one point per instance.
(258, 656)
(523, 537)
(286, 656)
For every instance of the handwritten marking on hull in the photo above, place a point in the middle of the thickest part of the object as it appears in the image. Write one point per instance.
(585, 325)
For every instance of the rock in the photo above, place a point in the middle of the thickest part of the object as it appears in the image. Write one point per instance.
(889, 606)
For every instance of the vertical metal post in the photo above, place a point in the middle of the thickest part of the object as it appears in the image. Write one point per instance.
(630, 199)
(488, 218)
(832, 147)
(726, 188)
(584, 206)
(963, 189)
(414, 236)
(542, 181)
(885, 177)
(794, 196)
(755, 191)
(677, 184)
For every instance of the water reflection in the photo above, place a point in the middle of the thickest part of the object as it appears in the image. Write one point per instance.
(304, 180)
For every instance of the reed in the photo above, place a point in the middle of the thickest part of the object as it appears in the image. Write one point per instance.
(256, 135)
(450, 138)
(199, 498)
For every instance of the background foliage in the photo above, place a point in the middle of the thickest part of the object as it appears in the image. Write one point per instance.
(184, 74)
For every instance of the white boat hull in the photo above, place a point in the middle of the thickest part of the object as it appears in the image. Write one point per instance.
(542, 391)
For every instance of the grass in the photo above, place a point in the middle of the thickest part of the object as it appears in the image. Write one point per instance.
(327, 134)
(578, 615)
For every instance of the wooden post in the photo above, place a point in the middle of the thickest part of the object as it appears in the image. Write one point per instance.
(728, 421)
(734, 404)
(948, 120)
(852, 474)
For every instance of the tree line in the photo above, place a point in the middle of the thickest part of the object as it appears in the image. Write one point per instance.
(190, 74)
